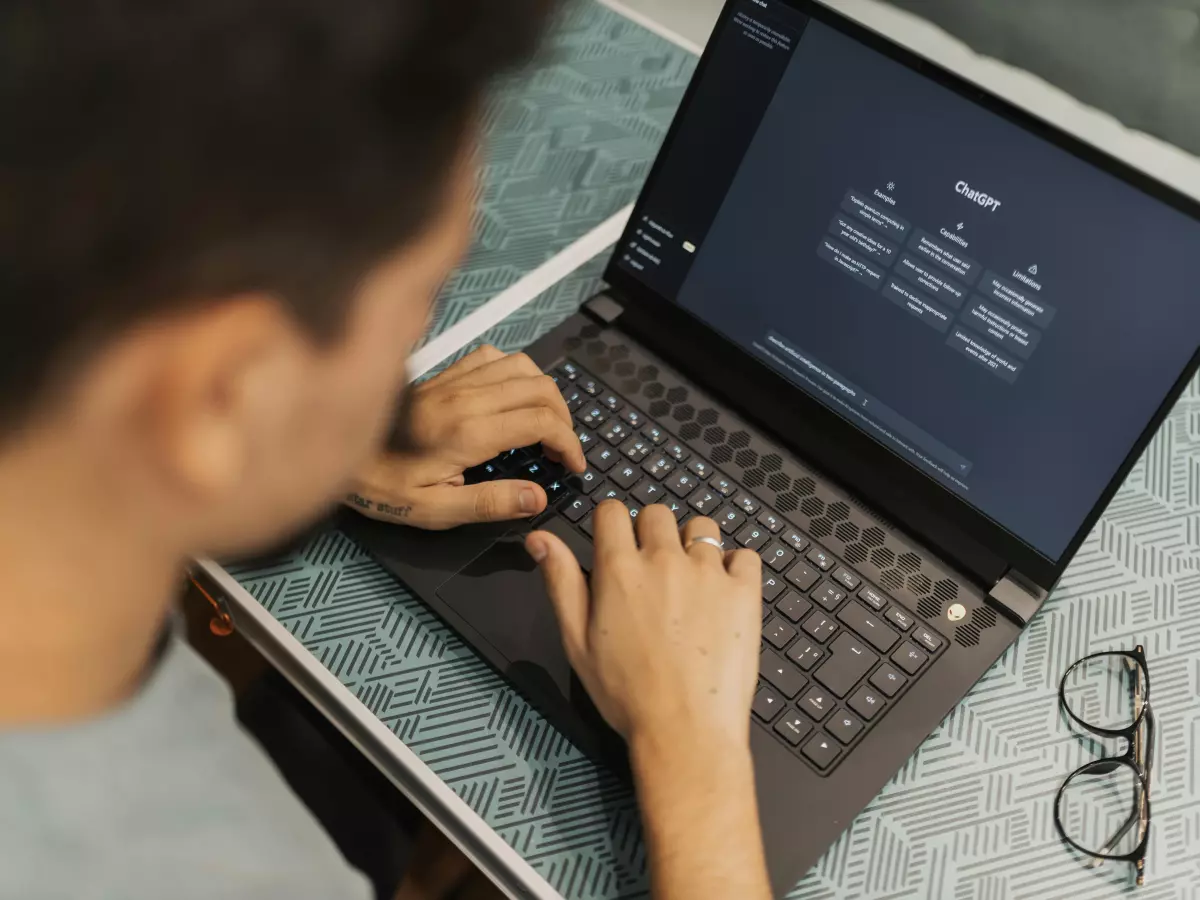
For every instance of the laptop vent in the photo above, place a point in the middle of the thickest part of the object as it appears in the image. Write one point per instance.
(840, 524)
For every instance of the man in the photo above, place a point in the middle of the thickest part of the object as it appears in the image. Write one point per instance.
(221, 225)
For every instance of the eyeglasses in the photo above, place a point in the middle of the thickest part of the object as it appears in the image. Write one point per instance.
(1103, 808)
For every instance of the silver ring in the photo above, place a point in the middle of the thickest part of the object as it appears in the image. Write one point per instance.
(705, 539)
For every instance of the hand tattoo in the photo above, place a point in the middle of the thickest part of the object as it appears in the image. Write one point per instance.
(358, 500)
(396, 512)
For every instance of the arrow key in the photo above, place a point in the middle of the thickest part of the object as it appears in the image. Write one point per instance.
(793, 728)
(822, 750)
(767, 703)
(781, 674)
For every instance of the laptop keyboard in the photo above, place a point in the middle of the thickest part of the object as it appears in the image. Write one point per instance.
(837, 653)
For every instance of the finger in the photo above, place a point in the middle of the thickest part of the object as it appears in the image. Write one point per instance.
(515, 393)
(476, 359)
(656, 529)
(501, 368)
(613, 529)
(521, 428)
(703, 550)
(745, 566)
(491, 501)
(567, 588)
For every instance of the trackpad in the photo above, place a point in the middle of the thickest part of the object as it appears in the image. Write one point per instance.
(502, 595)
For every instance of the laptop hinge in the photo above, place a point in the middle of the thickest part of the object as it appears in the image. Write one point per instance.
(604, 309)
(1017, 597)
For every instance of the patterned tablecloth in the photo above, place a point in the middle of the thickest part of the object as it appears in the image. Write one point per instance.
(969, 817)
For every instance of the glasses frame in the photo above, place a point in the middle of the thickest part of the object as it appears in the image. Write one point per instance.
(1138, 757)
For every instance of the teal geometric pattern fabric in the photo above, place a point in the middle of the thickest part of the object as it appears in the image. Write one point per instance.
(567, 145)
(969, 817)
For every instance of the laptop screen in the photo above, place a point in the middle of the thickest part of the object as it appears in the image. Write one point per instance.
(1000, 313)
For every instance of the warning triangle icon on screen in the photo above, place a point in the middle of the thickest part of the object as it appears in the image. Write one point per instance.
(1033, 270)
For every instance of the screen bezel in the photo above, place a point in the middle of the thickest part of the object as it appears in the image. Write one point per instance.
(875, 473)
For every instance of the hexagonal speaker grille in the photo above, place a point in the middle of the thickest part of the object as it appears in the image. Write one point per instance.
(856, 555)
(967, 635)
(753, 478)
(772, 462)
(745, 458)
(708, 417)
(929, 608)
(595, 348)
(677, 394)
(630, 386)
(625, 368)
(648, 373)
(653, 390)
(874, 537)
(714, 435)
(820, 528)
(812, 507)
(778, 482)
(787, 503)
(839, 511)
(659, 408)
(721, 455)
(806, 486)
(739, 439)
(620, 351)
(683, 412)
(847, 532)
(690, 431)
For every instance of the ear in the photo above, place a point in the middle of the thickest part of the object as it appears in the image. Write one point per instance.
(211, 377)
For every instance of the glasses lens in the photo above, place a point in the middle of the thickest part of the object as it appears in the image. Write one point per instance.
(1106, 691)
(1099, 809)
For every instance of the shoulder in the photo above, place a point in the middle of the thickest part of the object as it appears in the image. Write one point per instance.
(166, 796)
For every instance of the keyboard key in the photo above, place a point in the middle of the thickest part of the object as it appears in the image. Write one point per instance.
(793, 727)
(633, 418)
(927, 638)
(723, 486)
(615, 432)
(682, 483)
(589, 385)
(569, 371)
(793, 606)
(607, 491)
(822, 751)
(848, 662)
(659, 467)
(772, 586)
(803, 576)
(677, 451)
(766, 612)
(778, 632)
(730, 519)
(625, 476)
(636, 449)
(752, 537)
(747, 503)
(888, 680)
(869, 627)
(480, 474)
(700, 468)
(771, 522)
(603, 458)
(867, 702)
(556, 490)
(533, 471)
(586, 439)
(805, 653)
(593, 415)
(587, 482)
(704, 501)
(795, 540)
(820, 559)
(576, 543)
(677, 508)
(872, 598)
(767, 703)
(611, 400)
(817, 702)
(648, 492)
(784, 676)
(820, 626)
(844, 726)
(899, 618)
(587, 525)
(634, 508)
(575, 398)
(828, 596)
(846, 578)
(577, 508)
(777, 556)
(909, 658)
(655, 434)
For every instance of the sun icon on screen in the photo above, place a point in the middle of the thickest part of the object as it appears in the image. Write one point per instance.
(891, 185)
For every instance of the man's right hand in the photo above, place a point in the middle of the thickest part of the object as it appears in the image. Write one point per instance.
(666, 641)
(667, 638)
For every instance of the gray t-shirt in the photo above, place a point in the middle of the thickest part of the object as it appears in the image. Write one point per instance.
(165, 797)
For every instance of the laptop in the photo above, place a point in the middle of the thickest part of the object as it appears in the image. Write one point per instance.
(899, 337)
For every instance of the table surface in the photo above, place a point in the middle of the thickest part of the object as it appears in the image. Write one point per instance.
(969, 817)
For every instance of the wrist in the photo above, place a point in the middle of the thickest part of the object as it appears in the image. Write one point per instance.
(658, 755)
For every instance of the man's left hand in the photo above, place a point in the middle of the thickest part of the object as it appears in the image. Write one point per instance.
(484, 404)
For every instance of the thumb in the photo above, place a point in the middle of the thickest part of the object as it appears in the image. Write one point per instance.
(567, 588)
(491, 501)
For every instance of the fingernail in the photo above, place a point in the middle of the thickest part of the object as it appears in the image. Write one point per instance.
(536, 548)
(529, 500)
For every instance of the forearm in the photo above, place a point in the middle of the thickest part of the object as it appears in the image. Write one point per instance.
(701, 821)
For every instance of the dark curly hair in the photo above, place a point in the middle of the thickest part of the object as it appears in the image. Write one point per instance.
(157, 152)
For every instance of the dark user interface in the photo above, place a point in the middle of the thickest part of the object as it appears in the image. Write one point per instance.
(996, 311)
